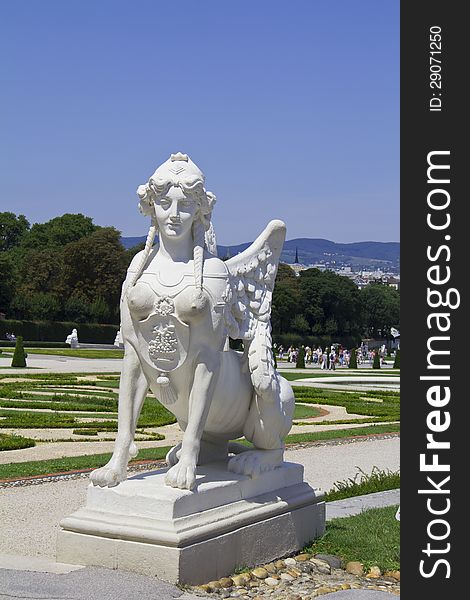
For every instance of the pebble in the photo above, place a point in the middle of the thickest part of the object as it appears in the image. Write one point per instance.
(300, 579)
(355, 568)
(260, 573)
(334, 561)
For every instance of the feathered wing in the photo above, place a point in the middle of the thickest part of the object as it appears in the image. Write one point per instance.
(252, 276)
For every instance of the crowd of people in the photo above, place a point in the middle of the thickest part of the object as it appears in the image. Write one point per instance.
(330, 357)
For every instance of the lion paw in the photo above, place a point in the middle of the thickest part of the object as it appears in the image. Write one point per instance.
(109, 475)
(182, 475)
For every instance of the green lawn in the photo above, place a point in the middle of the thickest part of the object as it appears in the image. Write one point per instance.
(372, 538)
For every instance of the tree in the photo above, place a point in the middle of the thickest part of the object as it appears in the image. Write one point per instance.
(6, 281)
(44, 306)
(99, 311)
(285, 305)
(19, 356)
(77, 308)
(330, 303)
(381, 305)
(95, 266)
(12, 230)
(59, 231)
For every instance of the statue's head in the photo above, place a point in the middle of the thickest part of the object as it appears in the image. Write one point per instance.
(178, 171)
(179, 177)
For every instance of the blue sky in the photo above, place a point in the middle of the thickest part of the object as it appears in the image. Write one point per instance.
(291, 109)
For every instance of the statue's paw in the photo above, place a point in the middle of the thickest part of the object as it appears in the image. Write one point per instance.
(182, 475)
(109, 475)
(255, 462)
(133, 450)
(173, 455)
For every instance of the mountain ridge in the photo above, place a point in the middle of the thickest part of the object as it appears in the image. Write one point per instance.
(357, 255)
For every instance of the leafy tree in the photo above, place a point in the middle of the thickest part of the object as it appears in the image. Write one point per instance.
(59, 231)
(285, 305)
(299, 324)
(330, 303)
(12, 230)
(381, 305)
(6, 281)
(19, 356)
(95, 266)
(44, 306)
(99, 311)
(77, 308)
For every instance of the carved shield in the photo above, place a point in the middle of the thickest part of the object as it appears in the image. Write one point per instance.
(163, 341)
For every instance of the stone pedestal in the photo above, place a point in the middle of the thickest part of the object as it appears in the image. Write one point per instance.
(229, 521)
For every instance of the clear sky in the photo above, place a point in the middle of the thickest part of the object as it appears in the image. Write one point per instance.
(290, 107)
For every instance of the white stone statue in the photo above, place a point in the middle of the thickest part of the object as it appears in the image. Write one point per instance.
(179, 306)
(72, 339)
(118, 339)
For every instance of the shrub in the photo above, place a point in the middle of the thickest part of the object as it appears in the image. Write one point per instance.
(19, 357)
(396, 364)
(376, 363)
(57, 331)
(300, 363)
(353, 359)
(15, 442)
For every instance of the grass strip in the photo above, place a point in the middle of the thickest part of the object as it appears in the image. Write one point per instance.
(72, 463)
(77, 353)
(378, 480)
(372, 538)
(43, 467)
(298, 438)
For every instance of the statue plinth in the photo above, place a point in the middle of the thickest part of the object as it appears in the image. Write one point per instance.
(230, 521)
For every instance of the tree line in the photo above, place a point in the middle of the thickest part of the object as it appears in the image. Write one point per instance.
(66, 269)
(71, 269)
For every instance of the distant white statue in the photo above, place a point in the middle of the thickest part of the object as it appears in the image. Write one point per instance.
(179, 306)
(72, 339)
(118, 339)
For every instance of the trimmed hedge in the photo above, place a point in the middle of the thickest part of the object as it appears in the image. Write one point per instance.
(8, 344)
(54, 331)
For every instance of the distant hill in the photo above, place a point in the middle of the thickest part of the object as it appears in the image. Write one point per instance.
(366, 255)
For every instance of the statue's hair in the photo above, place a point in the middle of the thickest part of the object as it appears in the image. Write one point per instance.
(203, 230)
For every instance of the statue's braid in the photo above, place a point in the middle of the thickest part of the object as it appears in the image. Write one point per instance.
(148, 246)
(198, 253)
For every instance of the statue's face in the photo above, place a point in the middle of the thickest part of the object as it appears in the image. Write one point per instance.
(175, 213)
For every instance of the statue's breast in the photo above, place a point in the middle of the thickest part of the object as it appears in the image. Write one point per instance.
(164, 312)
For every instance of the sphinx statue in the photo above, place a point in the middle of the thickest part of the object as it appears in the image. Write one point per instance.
(180, 305)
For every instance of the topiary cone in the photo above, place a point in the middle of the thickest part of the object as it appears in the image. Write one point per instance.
(353, 359)
(376, 363)
(396, 364)
(19, 357)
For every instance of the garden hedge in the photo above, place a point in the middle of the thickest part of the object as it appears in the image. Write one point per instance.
(55, 331)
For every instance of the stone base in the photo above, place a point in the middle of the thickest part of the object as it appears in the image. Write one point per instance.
(188, 537)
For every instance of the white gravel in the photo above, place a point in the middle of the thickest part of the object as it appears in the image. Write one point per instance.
(30, 515)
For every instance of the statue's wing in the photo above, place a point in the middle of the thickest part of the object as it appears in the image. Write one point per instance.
(252, 276)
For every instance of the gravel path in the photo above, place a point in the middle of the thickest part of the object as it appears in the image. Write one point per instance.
(30, 515)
